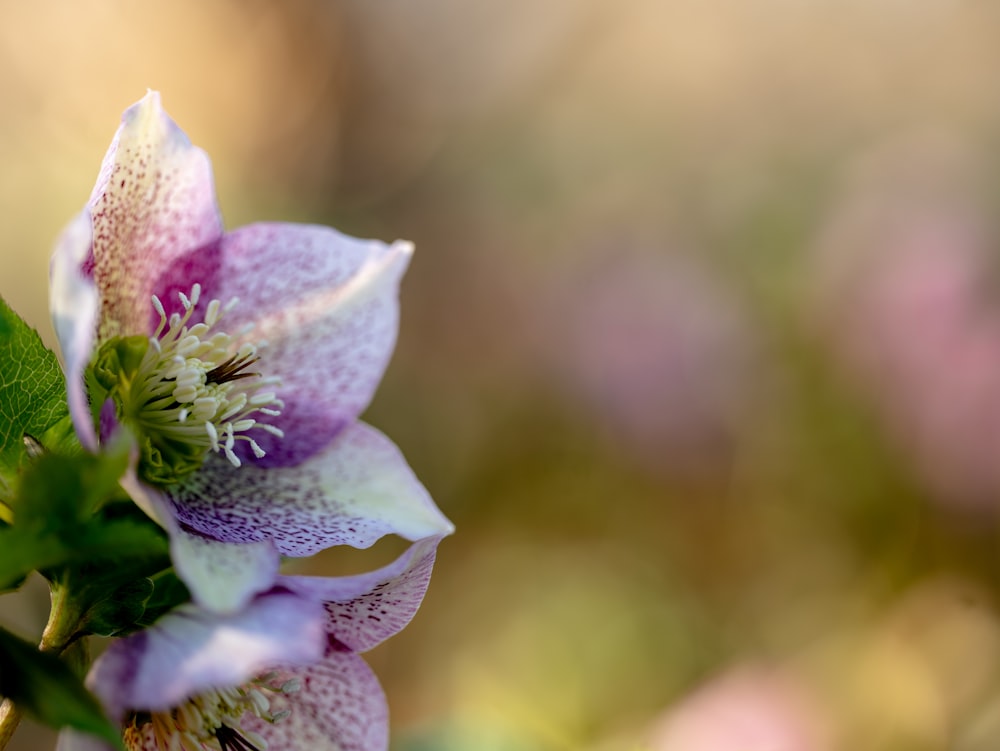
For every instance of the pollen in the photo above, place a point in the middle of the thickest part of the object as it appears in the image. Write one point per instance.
(210, 721)
(193, 389)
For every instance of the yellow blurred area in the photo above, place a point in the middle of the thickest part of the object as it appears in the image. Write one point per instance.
(700, 347)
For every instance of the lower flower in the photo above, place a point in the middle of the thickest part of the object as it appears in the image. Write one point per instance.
(281, 674)
(335, 703)
(210, 720)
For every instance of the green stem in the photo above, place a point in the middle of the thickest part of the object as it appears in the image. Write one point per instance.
(59, 630)
(10, 716)
(63, 621)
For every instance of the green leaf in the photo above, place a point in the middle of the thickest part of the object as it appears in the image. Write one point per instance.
(168, 592)
(46, 688)
(32, 391)
(55, 498)
(20, 554)
(116, 611)
(106, 592)
(122, 544)
(55, 525)
(59, 491)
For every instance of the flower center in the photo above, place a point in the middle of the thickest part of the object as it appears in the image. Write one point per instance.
(187, 390)
(210, 721)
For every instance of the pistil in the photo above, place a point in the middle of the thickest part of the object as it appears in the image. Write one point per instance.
(188, 389)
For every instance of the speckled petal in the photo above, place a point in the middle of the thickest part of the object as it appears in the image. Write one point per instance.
(341, 707)
(223, 576)
(190, 650)
(354, 492)
(73, 305)
(327, 306)
(154, 201)
(367, 609)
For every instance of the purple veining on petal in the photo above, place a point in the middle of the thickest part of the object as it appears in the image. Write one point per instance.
(354, 492)
(341, 707)
(154, 200)
(327, 307)
(203, 266)
(190, 650)
(321, 307)
(87, 267)
(367, 609)
(108, 421)
(308, 429)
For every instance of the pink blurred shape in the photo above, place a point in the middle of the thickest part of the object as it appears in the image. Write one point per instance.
(748, 708)
(659, 352)
(911, 306)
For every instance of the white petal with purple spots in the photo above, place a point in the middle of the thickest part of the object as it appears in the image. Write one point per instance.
(326, 305)
(341, 707)
(154, 201)
(189, 651)
(367, 609)
(223, 576)
(356, 490)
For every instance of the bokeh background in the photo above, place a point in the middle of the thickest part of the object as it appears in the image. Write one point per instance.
(700, 348)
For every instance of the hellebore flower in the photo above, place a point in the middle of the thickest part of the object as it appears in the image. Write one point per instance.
(239, 362)
(282, 674)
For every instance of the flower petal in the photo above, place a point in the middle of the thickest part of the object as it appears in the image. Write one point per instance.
(73, 305)
(223, 576)
(190, 650)
(341, 707)
(327, 306)
(356, 490)
(154, 201)
(367, 609)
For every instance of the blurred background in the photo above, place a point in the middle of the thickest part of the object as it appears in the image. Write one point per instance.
(700, 348)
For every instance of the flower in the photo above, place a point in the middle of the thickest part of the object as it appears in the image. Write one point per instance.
(243, 408)
(281, 674)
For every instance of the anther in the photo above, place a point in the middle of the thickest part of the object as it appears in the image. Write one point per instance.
(195, 388)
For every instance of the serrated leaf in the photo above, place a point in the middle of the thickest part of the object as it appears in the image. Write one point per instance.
(46, 688)
(32, 390)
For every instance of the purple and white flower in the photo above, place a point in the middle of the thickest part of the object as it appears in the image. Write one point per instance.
(239, 361)
(283, 673)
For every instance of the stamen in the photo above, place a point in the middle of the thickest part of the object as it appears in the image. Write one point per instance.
(211, 721)
(257, 450)
(212, 312)
(196, 388)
